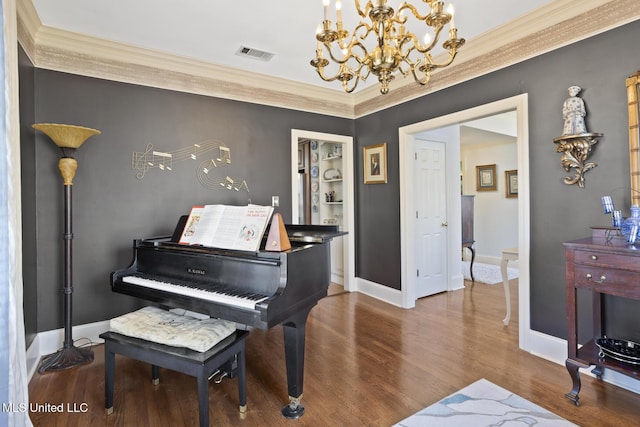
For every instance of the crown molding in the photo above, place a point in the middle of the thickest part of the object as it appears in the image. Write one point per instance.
(557, 24)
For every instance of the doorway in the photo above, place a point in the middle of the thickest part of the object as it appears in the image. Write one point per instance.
(450, 125)
(322, 193)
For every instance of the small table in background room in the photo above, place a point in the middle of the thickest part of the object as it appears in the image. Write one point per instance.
(510, 254)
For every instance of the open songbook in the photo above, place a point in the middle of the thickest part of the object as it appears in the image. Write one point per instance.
(227, 227)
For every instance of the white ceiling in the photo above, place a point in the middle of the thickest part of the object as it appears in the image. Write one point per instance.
(213, 31)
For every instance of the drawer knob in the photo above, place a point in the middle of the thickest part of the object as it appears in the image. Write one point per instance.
(594, 257)
(590, 278)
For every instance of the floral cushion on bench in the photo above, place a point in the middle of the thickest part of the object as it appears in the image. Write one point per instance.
(169, 328)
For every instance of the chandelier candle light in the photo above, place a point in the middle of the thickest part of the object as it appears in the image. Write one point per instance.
(395, 51)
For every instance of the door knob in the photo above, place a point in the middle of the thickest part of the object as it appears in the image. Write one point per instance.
(444, 224)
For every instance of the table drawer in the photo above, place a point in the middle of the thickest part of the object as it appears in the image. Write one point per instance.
(610, 281)
(607, 260)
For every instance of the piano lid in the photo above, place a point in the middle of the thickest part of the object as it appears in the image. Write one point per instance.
(298, 233)
(313, 233)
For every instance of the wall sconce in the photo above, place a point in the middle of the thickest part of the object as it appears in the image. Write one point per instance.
(575, 143)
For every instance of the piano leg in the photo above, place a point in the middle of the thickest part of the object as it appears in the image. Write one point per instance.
(294, 337)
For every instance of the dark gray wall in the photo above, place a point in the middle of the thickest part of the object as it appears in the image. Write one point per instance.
(559, 212)
(111, 206)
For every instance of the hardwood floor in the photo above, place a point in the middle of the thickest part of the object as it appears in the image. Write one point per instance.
(367, 364)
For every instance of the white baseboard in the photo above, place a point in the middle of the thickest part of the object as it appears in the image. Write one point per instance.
(337, 278)
(51, 341)
(378, 291)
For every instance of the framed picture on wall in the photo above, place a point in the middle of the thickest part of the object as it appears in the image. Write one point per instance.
(375, 164)
(511, 183)
(486, 178)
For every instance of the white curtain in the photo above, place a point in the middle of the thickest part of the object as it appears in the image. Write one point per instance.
(10, 223)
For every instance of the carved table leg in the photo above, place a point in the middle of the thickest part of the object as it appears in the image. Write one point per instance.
(572, 367)
(598, 371)
(473, 258)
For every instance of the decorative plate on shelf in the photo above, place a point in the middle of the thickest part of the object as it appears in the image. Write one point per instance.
(314, 171)
(316, 198)
(332, 174)
(314, 145)
(314, 157)
(314, 186)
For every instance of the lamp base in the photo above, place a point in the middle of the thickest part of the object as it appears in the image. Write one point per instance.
(65, 358)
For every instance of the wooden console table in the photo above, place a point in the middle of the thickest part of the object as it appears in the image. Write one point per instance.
(605, 268)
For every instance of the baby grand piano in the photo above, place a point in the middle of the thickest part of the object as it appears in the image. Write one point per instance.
(258, 289)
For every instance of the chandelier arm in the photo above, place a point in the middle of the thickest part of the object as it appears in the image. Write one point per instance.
(364, 25)
(434, 42)
(452, 55)
(413, 10)
(423, 82)
(350, 53)
(405, 73)
(320, 71)
(345, 84)
(367, 8)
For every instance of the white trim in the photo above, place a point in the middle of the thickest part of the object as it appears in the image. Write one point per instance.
(349, 279)
(380, 292)
(406, 135)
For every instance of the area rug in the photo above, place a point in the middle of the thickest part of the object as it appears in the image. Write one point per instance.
(484, 404)
(486, 273)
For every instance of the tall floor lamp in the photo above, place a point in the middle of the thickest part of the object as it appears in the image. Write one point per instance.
(69, 138)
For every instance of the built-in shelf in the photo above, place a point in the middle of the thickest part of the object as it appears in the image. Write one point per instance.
(332, 180)
(331, 158)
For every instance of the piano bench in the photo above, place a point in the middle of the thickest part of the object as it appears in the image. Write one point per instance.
(203, 366)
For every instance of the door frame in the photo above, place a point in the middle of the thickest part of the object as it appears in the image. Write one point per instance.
(349, 280)
(407, 135)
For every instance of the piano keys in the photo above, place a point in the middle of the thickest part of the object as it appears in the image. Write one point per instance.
(258, 289)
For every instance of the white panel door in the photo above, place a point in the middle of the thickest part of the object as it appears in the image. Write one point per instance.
(431, 218)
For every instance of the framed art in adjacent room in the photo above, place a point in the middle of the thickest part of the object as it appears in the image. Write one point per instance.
(375, 164)
(511, 183)
(486, 178)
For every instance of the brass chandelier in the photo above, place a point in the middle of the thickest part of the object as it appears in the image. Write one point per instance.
(396, 50)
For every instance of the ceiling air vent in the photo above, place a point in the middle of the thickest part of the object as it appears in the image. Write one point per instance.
(254, 53)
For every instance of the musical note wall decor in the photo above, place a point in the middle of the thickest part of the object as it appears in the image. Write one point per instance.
(143, 161)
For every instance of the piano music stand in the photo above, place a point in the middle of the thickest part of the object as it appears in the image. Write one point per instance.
(69, 138)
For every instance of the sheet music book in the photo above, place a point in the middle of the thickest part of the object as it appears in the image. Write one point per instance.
(227, 227)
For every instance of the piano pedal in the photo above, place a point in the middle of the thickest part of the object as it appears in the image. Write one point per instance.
(219, 376)
(228, 369)
(219, 379)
